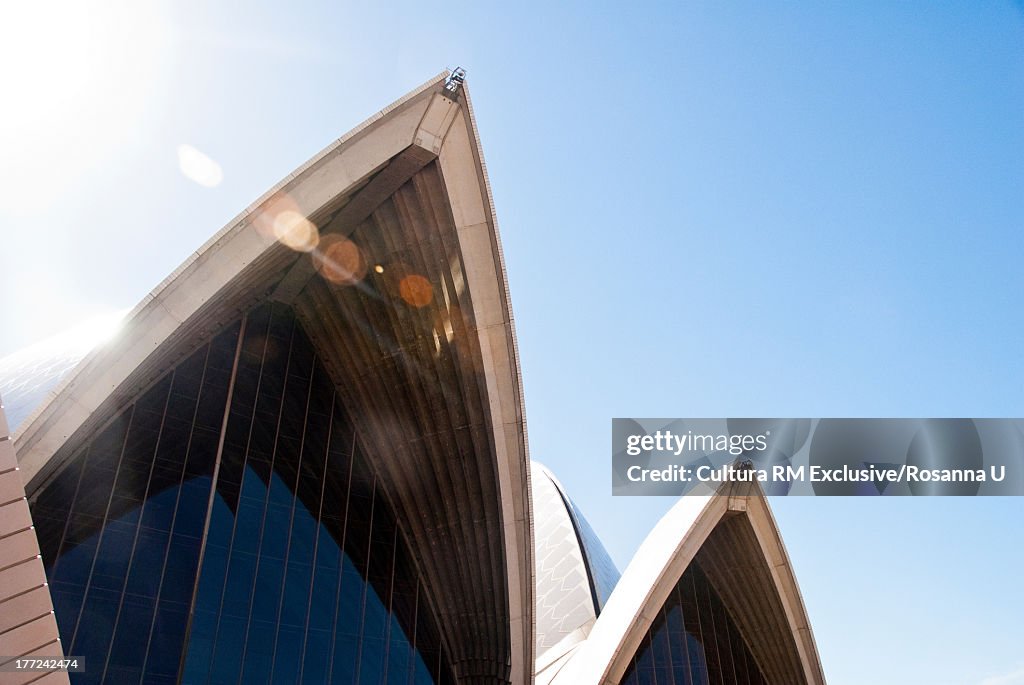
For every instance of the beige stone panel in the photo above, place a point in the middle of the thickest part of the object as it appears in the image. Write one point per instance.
(56, 678)
(24, 607)
(10, 487)
(770, 540)
(494, 344)
(511, 441)
(50, 650)
(461, 177)
(21, 577)
(436, 122)
(16, 548)
(8, 460)
(14, 517)
(30, 637)
(71, 415)
(51, 678)
(480, 269)
(211, 271)
(358, 158)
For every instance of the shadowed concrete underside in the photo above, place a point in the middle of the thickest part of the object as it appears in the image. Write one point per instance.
(421, 348)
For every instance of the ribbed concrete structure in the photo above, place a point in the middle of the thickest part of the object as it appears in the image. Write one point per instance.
(421, 348)
(307, 449)
(730, 542)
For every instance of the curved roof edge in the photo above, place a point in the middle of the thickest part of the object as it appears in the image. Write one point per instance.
(37, 425)
(432, 126)
(668, 550)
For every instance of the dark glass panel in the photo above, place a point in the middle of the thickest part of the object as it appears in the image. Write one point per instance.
(128, 649)
(297, 586)
(350, 601)
(238, 588)
(662, 650)
(693, 641)
(200, 646)
(287, 654)
(259, 650)
(645, 662)
(691, 621)
(399, 665)
(723, 630)
(737, 648)
(266, 601)
(77, 552)
(210, 411)
(192, 504)
(227, 659)
(122, 582)
(316, 663)
(371, 662)
(187, 383)
(305, 576)
(165, 645)
(147, 563)
(158, 512)
(180, 570)
(202, 450)
(97, 482)
(67, 602)
(710, 635)
(426, 637)
(95, 630)
(346, 657)
(426, 669)
(115, 549)
(677, 637)
(54, 503)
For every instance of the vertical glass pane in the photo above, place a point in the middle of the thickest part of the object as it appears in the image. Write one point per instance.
(123, 567)
(305, 576)
(693, 641)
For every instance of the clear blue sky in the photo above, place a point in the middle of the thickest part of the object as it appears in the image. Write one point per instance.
(707, 210)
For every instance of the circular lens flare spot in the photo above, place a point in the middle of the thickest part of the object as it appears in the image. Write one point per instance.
(416, 290)
(339, 260)
(198, 167)
(296, 231)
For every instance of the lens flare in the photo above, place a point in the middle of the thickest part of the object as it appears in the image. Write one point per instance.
(339, 260)
(79, 82)
(280, 218)
(416, 290)
(296, 231)
(196, 166)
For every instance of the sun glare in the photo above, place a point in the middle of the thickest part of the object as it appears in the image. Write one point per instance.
(197, 166)
(76, 79)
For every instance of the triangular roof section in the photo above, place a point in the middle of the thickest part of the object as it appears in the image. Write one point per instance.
(423, 346)
(733, 536)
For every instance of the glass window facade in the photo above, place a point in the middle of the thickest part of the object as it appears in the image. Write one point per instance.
(600, 567)
(693, 641)
(198, 540)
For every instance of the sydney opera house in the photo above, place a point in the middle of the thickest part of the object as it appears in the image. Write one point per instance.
(303, 459)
